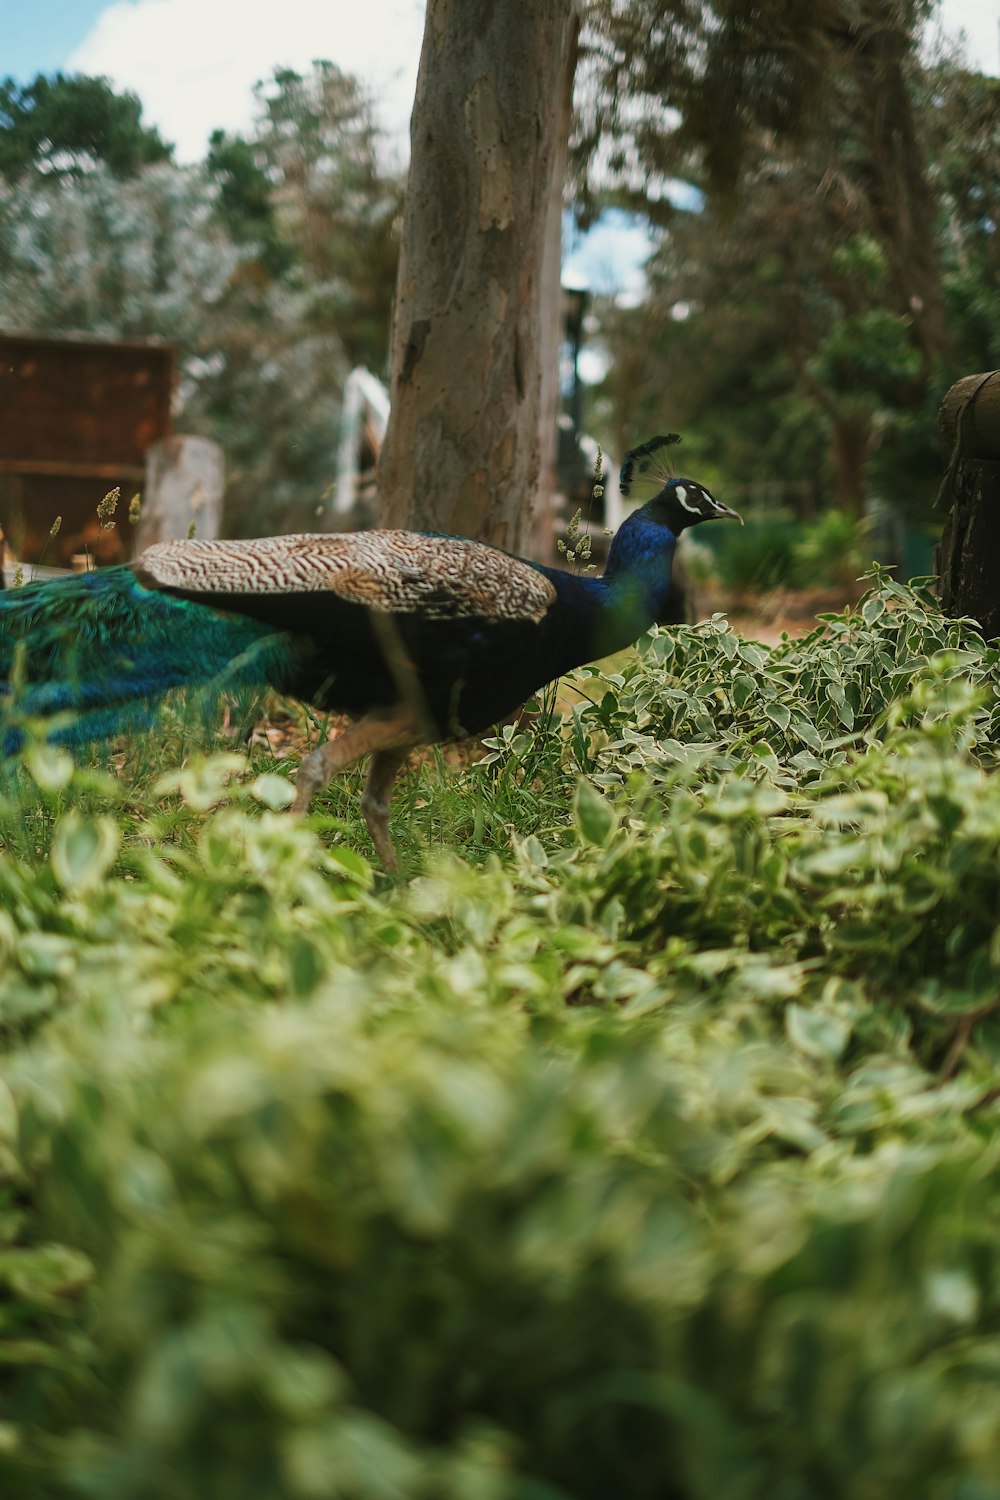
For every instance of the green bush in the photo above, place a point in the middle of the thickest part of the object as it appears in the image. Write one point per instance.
(757, 557)
(653, 1156)
(830, 552)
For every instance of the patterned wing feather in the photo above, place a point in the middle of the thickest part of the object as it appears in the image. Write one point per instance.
(391, 572)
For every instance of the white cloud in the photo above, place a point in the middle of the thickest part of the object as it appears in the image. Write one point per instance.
(980, 20)
(194, 62)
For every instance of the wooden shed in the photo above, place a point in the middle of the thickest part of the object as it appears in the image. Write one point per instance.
(76, 418)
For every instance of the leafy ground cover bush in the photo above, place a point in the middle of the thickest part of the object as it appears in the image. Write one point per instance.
(644, 1143)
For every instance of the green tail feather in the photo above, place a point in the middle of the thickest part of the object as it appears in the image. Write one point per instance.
(100, 652)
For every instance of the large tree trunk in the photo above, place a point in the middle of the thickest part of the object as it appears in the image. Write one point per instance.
(463, 450)
(969, 550)
(543, 520)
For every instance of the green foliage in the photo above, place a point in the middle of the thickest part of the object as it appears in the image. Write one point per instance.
(760, 556)
(827, 553)
(655, 1154)
(64, 124)
(246, 200)
(831, 551)
(841, 261)
(966, 147)
(308, 187)
(868, 357)
(861, 260)
(269, 268)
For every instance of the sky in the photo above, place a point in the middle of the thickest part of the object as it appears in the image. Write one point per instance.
(193, 63)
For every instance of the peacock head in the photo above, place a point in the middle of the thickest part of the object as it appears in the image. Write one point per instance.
(685, 502)
(681, 502)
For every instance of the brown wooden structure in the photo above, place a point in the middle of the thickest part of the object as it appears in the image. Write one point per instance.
(969, 554)
(76, 419)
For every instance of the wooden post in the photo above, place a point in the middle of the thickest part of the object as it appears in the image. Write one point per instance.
(184, 484)
(969, 551)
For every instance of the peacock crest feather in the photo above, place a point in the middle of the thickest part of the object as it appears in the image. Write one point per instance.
(648, 460)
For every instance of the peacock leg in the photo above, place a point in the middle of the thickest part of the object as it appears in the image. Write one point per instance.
(375, 801)
(386, 734)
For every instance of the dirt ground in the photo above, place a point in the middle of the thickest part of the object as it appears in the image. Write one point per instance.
(768, 617)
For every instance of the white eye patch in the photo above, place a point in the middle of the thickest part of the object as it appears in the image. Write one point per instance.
(682, 496)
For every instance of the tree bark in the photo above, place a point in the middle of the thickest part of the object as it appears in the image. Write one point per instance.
(478, 281)
(541, 519)
(185, 483)
(969, 550)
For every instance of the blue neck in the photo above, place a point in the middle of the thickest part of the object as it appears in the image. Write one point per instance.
(601, 615)
(640, 564)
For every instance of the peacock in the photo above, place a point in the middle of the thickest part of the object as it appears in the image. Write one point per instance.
(416, 637)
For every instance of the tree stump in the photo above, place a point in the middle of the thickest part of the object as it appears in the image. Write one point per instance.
(969, 551)
(184, 487)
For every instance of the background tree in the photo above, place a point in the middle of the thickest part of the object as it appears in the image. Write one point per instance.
(269, 268)
(772, 326)
(306, 196)
(801, 327)
(309, 187)
(963, 124)
(814, 279)
(65, 125)
(477, 298)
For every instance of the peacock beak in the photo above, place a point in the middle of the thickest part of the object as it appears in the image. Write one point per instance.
(724, 512)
